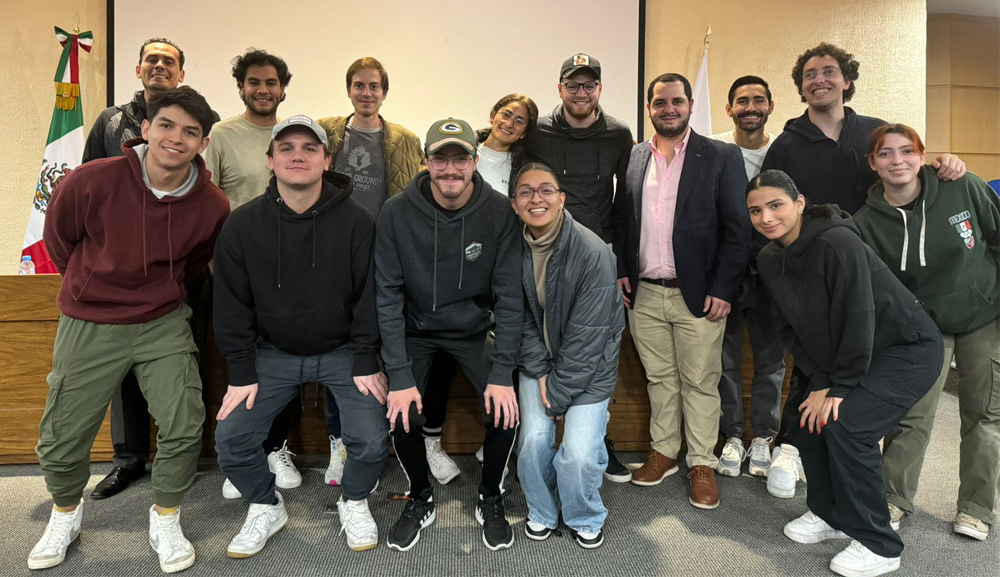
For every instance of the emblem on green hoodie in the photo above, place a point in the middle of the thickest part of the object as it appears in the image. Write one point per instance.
(963, 224)
(473, 251)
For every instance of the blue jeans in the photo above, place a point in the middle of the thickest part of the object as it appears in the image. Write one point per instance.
(280, 375)
(566, 480)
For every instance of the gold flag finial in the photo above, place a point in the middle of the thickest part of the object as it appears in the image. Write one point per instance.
(708, 32)
(76, 27)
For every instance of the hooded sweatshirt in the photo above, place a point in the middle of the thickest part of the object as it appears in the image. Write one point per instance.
(442, 275)
(124, 253)
(837, 305)
(587, 161)
(300, 282)
(946, 250)
(826, 171)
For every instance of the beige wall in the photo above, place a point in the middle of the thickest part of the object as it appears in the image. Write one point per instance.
(963, 90)
(29, 53)
(763, 38)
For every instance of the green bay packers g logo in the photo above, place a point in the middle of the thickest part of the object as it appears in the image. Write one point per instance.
(473, 251)
(451, 128)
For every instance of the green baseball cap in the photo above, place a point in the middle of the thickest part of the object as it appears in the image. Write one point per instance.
(450, 131)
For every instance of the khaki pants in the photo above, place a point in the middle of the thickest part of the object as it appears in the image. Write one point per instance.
(977, 356)
(682, 356)
(89, 360)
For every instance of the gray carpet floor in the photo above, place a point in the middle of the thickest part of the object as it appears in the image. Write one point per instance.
(650, 531)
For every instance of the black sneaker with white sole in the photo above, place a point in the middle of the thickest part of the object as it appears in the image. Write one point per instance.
(497, 533)
(417, 514)
(588, 542)
(616, 470)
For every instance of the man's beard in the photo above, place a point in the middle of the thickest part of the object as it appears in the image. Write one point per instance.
(667, 132)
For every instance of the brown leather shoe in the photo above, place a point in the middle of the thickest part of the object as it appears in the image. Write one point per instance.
(704, 491)
(657, 467)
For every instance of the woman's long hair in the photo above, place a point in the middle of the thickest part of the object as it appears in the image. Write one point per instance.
(779, 179)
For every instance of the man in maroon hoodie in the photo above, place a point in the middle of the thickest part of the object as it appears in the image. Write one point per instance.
(125, 233)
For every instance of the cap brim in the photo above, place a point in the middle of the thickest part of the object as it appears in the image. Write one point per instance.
(432, 148)
(576, 69)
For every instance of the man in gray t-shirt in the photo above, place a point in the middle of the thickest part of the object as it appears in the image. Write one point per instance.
(361, 157)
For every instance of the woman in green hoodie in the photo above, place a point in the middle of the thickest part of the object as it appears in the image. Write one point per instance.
(942, 240)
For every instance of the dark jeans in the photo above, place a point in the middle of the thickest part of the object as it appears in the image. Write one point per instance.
(768, 373)
(844, 464)
(472, 355)
(238, 438)
(435, 397)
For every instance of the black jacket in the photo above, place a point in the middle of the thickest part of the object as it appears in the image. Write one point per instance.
(442, 276)
(826, 171)
(587, 162)
(837, 306)
(583, 307)
(301, 282)
(114, 126)
(711, 223)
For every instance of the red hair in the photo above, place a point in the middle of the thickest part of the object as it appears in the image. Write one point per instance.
(878, 138)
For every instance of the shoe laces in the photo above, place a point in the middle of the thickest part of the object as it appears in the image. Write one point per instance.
(698, 474)
(357, 516)
(415, 510)
(256, 523)
(732, 449)
(284, 457)
(492, 508)
(55, 532)
(786, 461)
(858, 549)
(966, 519)
(759, 449)
(168, 529)
(436, 456)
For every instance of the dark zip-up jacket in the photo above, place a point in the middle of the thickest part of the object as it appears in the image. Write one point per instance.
(585, 318)
(946, 250)
(837, 305)
(826, 171)
(588, 161)
(301, 282)
(115, 126)
(442, 276)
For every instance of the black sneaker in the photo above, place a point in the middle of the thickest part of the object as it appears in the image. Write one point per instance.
(588, 542)
(417, 514)
(616, 470)
(497, 533)
(537, 532)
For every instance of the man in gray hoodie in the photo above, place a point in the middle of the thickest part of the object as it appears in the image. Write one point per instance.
(447, 263)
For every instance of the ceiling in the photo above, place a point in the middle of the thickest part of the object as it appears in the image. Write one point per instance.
(990, 8)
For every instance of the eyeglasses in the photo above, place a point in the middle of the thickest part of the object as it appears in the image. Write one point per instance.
(574, 87)
(508, 116)
(828, 72)
(545, 191)
(441, 162)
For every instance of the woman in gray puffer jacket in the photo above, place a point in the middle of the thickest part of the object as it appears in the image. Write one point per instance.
(568, 361)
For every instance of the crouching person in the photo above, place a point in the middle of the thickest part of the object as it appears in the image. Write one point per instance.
(294, 303)
(570, 340)
(125, 233)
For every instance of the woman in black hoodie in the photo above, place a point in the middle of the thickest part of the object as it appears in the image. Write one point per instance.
(870, 352)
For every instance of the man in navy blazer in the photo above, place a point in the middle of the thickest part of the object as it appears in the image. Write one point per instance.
(682, 237)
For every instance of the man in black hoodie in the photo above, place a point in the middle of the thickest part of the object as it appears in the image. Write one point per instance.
(589, 151)
(294, 303)
(448, 262)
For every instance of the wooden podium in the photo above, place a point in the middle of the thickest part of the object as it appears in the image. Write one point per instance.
(28, 318)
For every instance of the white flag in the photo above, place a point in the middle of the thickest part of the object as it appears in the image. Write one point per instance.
(701, 112)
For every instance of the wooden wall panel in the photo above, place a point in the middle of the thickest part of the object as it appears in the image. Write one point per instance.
(975, 120)
(938, 54)
(938, 118)
(985, 165)
(975, 51)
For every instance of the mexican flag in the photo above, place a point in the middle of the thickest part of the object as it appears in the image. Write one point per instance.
(64, 146)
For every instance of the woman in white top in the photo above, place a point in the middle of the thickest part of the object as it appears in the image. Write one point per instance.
(501, 146)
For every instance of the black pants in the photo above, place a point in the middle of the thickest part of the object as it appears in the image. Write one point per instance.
(788, 431)
(435, 396)
(472, 355)
(843, 462)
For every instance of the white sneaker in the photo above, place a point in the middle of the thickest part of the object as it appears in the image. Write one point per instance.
(732, 457)
(168, 540)
(229, 491)
(970, 526)
(760, 456)
(858, 561)
(479, 454)
(262, 522)
(286, 476)
(63, 529)
(338, 457)
(356, 520)
(809, 528)
(895, 517)
(440, 464)
(786, 469)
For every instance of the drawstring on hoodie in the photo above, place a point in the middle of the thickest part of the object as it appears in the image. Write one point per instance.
(314, 213)
(461, 256)
(170, 242)
(278, 215)
(434, 290)
(145, 271)
(906, 237)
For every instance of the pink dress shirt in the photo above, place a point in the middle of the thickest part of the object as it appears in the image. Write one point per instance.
(659, 203)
